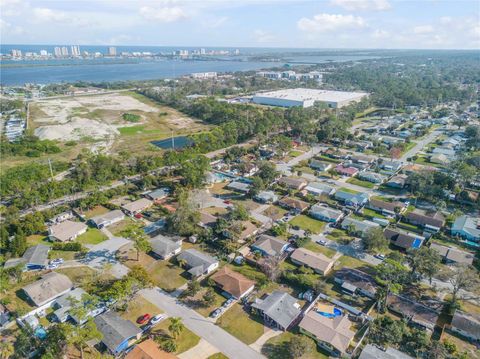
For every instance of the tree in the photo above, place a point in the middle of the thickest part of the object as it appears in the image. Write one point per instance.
(267, 172)
(462, 278)
(168, 345)
(386, 331)
(271, 267)
(140, 241)
(395, 153)
(279, 229)
(184, 221)
(374, 240)
(392, 275)
(176, 327)
(239, 213)
(82, 334)
(6, 349)
(209, 297)
(193, 287)
(424, 261)
(299, 346)
(256, 186)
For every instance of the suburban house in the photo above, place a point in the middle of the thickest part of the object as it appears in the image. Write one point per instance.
(279, 309)
(346, 171)
(391, 166)
(453, 255)
(372, 177)
(118, 333)
(447, 151)
(440, 159)
(237, 186)
(404, 240)
(319, 262)
(270, 246)
(429, 222)
(326, 214)
(372, 352)
(362, 159)
(359, 227)
(47, 288)
(266, 197)
(356, 199)
(467, 227)
(61, 217)
(294, 204)
(321, 166)
(234, 284)
(63, 304)
(148, 349)
(332, 334)
(66, 231)
(467, 325)
(164, 247)
(107, 219)
(386, 208)
(207, 219)
(34, 258)
(398, 181)
(293, 183)
(199, 263)
(354, 282)
(158, 194)
(418, 314)
(319, 188)
(248, 230)
(135, 207)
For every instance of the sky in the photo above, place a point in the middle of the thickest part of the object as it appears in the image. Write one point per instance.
(407, 24)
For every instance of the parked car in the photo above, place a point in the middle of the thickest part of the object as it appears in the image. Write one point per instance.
(322, 242)
(157, 319)
(228, 302)
(57, 261)
(227, 202)
(138, 215)
(216, 313)
(144, 319)
(53, 266)
(296, 228)
(380, 256)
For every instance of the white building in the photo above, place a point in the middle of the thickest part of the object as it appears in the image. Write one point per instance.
(307, 97)
(112, 51)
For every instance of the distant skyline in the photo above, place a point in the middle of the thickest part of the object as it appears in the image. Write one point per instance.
(390, 24)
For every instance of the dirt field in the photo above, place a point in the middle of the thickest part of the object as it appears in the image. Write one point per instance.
(95, 122)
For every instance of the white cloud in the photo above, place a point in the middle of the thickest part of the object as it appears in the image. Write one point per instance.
(9, 29)
(330, 22)
(263, 36)
(362, 5)
(423, 29)
(163, 14)
(214, 23)
(445, 20)
(49, 15)
(380, 34)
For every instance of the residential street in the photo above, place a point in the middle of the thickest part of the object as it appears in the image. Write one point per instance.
(225, 342)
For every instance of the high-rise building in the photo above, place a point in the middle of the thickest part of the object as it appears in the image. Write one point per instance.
(57, 51)
(16, 53)
(43, 53)
(75, 50)
(237, 52)
(202, 51)
(64, 51)
(112, 51)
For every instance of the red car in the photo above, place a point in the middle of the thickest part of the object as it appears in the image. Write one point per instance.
(138, 215)
(144, 319)
(227, 202)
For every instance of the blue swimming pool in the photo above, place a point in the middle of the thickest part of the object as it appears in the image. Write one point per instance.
(40, 333)
(336, 312)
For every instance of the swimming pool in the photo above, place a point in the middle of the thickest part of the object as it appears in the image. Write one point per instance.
(336, 313)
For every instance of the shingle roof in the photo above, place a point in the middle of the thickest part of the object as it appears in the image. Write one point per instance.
(402, 239)
(279, 306)
(319, 187)
(358, 278)
(335, 331)
(107, 217)
(115, 329)
(271, 245)
(294, 203)
(138, 205)
(164, 246)
(326, 212)
(158, 193)
(453, 254)
(148, 349)
(468, 323)
(48, 287)
(417, 312)
(437, 220)
(197, 261)
(239, 186)
(359, 225)
(372, 352)
(66, 230)
(292, 182)
(467, 224)
(389, 206)
(355, 198)
(36, 255)
(313, 260)
(232, 282)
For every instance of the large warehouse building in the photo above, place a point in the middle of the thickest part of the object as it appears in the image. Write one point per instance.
(307, 97)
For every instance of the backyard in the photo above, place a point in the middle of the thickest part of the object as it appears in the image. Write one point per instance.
(241, 325)
(307, 224)
(92, 236)
(361, 183)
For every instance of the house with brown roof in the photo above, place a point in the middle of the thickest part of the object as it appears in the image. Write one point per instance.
(148, 349)
(66, 231)
(294, 204)
(386, 208)
(248, 230)
(431, 222)
(467, 325)
(207, 220)
(417, 313)
(137, 206)
(293, 182)
(398, 181)
(332, 334)
(319, 262)
(233, 283)
(270, 246)
(404, 240)
(453, 255)
(354, 282)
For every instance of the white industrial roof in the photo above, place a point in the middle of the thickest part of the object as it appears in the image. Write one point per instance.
(304, 94)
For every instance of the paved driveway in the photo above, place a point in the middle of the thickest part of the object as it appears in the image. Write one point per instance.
(225, 342)
(355, 250)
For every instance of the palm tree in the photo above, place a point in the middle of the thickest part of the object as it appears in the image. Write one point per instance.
(6, 349)
(182, 263)
(176, 326)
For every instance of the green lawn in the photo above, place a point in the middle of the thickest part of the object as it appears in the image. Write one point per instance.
(205, 311)
(295, 153)
(92, 236)
(307, 223)
(350, 262)
(35, 239)
(318, 248)
(371, 213)
(344, 189)
(134, 130)
(218, 356)
(328, 159)
(361, 183)
(138, 307)
(77, 274)
(277, 348)
(96, 211)
(249, 272)
(421, 160)
(166, 275)
(66, 255)
(241, 325)
(185, 341)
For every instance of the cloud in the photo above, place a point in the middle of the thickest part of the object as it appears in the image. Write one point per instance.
(7, 28)
(423, 29)
(49, 15)
(330, 22)
(263, 36)
(380, 34)
(362, 5)
(164, 14)
(215, 22)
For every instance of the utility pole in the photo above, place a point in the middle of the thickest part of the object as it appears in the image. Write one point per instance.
(50, 165)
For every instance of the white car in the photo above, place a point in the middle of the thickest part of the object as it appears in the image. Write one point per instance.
(57, 261)
(52, 266)
(157, 319)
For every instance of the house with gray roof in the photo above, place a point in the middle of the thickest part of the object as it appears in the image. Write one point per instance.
(158, 194)
(319, 188)
(293, 182)
(270, 246)
(467, 227)
(199, 263)
(402, 239)
(132, 208)
(47, 288)
(355, 200)
(118, 333)
(239, 186)
(322, 166)
(278, 309)
(107, 219)
(165, 247)
(372, 177)
(325, 213)
(36, 257)
(266, 197)
(453, 255)
(63, 304)
(359, 227)
(416, 313)
(467, 325)
(391, 166)
(372, 352)
(66, 231)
